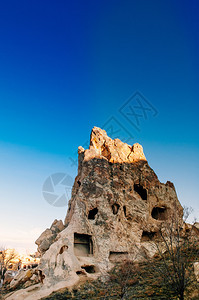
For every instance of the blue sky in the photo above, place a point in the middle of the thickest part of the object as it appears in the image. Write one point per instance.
(66, 66)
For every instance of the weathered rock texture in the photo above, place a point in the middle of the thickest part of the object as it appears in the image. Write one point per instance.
(49, 236)
(117, 203)
(196, 270)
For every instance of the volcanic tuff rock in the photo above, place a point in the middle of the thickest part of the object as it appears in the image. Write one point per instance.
(196, 270)
(117, 205)
(48, 236)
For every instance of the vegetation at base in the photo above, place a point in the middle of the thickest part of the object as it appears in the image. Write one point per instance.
(130, 280)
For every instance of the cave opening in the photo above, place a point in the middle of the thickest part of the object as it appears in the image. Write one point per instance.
(115, 208)
(141, 191)
(159, 213)
(92, 213)
(124, 209)
(83, 245)
(63, 248)
(80, 273)
(148, 236)
(89, 269)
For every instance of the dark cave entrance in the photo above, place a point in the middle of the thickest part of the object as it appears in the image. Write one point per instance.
(124, 209)
(83, 245)
(89, 269)
(115, 208)
(148, 236)
(92, 213)
(141, 191)
(159, 213)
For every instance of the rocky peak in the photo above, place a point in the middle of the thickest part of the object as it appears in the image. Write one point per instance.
(117, 205)
(115, 151)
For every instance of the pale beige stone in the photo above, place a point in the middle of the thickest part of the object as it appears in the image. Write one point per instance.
(117, 200)
(49, 236)
(21, 277)
(196, 225)
(196, 270)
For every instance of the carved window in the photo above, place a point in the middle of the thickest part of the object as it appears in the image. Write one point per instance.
(159, 213)
(83, 245)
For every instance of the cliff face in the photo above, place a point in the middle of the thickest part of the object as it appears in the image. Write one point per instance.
(117, 198)
(117, 203)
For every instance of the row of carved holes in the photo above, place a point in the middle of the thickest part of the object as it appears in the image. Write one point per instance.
(138, 189)
(115, 207)
(158, 213)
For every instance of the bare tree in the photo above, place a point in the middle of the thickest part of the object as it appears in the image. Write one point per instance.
(177, 247)
(170, 272)
(7, 257)
(124, 275)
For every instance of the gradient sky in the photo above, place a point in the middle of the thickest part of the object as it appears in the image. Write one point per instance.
(66, 66)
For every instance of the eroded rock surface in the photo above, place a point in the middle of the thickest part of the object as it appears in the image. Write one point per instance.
(23, 276)
(196, 270)
(117, 203)
(48, 236)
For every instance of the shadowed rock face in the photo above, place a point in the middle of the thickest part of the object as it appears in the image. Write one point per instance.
(117, 203)
(115, 198)
(122, 193)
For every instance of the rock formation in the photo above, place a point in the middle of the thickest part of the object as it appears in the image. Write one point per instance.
(48, 236)
(117, 203)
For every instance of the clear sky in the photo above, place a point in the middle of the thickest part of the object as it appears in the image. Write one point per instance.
(66, 66)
